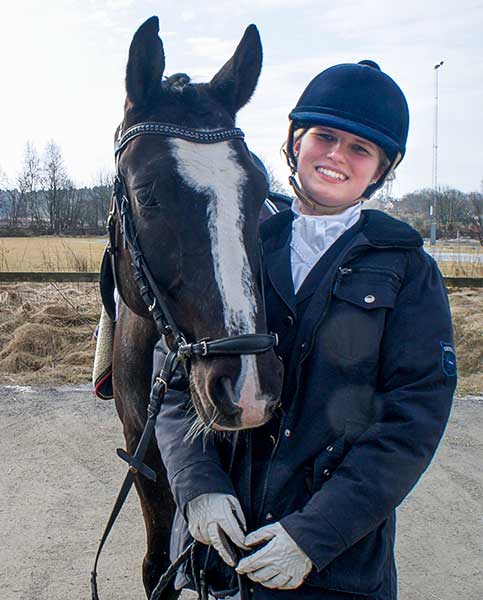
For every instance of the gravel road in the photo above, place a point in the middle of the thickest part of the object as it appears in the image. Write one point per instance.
(60, 478)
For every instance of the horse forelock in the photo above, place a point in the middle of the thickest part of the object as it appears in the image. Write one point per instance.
(177, 81)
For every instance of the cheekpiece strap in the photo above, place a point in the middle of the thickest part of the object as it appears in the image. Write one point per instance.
(168, 130)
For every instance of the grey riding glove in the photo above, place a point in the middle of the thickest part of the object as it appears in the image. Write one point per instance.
(280, 564)
(211, 516)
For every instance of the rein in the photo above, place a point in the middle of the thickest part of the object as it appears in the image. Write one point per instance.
(164, 365)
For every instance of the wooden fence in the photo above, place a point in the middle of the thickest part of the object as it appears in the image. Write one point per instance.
(40, 277)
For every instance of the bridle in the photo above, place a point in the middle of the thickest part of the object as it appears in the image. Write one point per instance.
(251, 343)
(164, 364)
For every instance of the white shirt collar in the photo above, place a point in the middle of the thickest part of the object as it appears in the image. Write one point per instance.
(313, 235)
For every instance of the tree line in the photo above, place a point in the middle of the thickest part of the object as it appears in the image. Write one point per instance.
(456, 214)
(43, 199)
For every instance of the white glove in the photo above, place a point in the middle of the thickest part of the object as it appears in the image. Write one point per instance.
(280, 564)
(212, 515)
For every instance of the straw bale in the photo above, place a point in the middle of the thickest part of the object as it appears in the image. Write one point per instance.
(41, 340)
(61, 315)
(467, 312)
(20, 362)
(81, 358)
(8, 297)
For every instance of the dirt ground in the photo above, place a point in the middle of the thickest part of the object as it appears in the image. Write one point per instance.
(61, 476)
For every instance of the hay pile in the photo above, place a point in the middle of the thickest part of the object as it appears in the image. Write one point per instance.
(46, 334)
(467, 311)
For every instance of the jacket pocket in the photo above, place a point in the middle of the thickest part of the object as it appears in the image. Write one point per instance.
(362, 568)
(333, 454)
(355, 323)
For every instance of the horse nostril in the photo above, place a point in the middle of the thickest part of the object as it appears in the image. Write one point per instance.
(223, 396)
(225, 383)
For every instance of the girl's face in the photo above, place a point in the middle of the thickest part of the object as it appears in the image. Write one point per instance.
(335, 167)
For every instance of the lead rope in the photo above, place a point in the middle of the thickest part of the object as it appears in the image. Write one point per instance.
(199, 575)
(135, 462)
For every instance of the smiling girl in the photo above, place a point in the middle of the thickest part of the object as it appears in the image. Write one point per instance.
(366, 341)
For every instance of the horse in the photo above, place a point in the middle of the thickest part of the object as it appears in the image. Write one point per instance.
(194, 193)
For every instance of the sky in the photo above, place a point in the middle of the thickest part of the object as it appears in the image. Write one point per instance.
(63, 65)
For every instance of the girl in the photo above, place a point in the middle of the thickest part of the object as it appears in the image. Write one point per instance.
(366, 341)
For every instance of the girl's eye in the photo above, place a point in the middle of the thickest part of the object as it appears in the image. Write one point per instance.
(327, 137)
(360, 149)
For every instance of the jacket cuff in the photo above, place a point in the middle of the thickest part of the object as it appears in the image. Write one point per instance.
(202, 477)
(322, 548)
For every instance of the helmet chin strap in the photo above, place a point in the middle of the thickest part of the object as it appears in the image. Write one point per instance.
(376, 185)
(298, 192)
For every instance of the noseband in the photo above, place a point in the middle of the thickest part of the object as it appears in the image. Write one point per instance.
(252, 343)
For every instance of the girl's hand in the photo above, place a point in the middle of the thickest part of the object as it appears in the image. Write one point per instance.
(211, 516)
(280, 564)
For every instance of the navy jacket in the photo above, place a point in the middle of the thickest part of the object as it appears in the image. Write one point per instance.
(370, 374)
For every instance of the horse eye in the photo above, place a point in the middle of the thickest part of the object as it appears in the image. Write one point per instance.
(145, 196)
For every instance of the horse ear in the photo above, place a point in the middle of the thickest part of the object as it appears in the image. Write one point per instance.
(235, 82)
(146, 63)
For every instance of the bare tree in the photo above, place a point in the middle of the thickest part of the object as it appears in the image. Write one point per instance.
(10, 202)
(57, 189)
(5, 196)
(275, 184)
(100, 195)
(449, 210)
(475, 213)
(28, 182)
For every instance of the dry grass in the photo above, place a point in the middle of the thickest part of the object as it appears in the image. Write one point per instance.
(462, 268)
(46, 334)
(51, 253)
(467, 311)
(466, 260)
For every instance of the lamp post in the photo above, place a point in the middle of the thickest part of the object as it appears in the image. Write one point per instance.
(432, 208)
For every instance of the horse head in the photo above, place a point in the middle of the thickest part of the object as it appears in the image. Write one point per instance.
(195, 210)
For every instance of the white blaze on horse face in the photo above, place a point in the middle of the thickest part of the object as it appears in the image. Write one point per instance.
(213, 170)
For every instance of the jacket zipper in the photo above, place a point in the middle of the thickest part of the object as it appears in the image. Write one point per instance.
(269, 469)
(297, 387)
(340, 272)
(379, 270)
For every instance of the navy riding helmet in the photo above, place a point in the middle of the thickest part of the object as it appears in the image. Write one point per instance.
(358, 98)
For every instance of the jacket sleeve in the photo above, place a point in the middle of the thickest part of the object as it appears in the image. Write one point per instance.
(192, 462)
(417, 379)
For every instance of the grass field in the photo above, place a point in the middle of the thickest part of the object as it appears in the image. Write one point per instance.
(49, 253)
(79, 254)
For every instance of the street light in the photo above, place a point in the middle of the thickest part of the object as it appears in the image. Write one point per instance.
(432, 208)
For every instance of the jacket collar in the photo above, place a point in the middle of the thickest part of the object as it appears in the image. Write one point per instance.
(384, 231)
(379, 230)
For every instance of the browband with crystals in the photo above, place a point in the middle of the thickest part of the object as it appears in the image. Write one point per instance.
(169, 130)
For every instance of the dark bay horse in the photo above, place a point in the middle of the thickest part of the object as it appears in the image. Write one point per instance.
(195, 213)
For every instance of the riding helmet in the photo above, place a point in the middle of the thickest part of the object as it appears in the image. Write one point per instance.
(358, 98)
